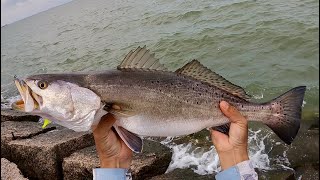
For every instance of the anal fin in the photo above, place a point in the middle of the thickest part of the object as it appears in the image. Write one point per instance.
(223, 128)
(133, 141)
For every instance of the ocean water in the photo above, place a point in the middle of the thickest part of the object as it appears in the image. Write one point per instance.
(266, 47)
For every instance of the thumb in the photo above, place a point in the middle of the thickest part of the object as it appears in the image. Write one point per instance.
(232, 113)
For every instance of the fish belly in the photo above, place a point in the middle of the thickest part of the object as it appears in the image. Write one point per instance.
(163, 127)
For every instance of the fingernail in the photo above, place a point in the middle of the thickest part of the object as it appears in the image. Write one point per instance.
(224, 105)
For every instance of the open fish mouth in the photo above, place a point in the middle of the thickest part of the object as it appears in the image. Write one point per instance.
(30, 100)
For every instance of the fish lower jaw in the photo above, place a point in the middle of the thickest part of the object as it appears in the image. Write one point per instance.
(18, 105)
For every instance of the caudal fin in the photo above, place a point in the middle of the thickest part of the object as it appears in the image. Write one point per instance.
(286, 114)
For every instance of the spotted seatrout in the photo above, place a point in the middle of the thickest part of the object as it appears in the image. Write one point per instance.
(149, 100)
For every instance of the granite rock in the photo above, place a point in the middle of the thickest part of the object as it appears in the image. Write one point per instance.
(12, 115)
(38, 153)
(154, 160)
(10, 171)
(11, 130)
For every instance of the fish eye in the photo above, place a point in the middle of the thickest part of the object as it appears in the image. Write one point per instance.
(42, 84)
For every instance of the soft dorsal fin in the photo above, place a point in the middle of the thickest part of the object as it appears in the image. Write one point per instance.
(196, 70)
(141, 59)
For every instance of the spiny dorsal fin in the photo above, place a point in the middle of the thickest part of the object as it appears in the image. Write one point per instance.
(196, 70)
(141, 59)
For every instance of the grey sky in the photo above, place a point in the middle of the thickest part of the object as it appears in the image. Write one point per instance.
(15, 10)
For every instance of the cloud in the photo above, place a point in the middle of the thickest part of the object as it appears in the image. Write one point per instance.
(15, 10)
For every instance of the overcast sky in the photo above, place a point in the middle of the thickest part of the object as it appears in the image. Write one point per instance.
(15, 10)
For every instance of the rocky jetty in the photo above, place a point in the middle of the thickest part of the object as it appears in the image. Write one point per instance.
(30, 152)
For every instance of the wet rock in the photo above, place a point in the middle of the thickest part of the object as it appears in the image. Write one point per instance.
(10, 170)
(275, 174)
(185, 174)
(304, 149)
(307, 171)
(154, 160)
(200, 139)
(40, 155)
(12, 115)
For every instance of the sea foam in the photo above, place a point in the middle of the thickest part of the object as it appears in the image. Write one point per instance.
(203, 161)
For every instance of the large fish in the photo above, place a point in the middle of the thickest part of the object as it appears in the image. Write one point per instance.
(149, 100)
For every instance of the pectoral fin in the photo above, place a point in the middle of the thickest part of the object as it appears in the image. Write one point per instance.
(133, 141)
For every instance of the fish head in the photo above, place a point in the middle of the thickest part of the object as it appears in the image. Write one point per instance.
(61, 101)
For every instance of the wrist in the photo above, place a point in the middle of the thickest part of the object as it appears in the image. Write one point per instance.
(114, 163)
(232, 157)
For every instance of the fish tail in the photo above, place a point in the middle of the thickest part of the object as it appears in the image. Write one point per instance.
(286, 114)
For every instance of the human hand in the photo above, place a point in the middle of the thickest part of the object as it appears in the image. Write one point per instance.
(232, 149)
(112, 151)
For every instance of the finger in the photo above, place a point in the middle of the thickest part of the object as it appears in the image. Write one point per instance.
(232, 113)
(105, 124)
(218, 138)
